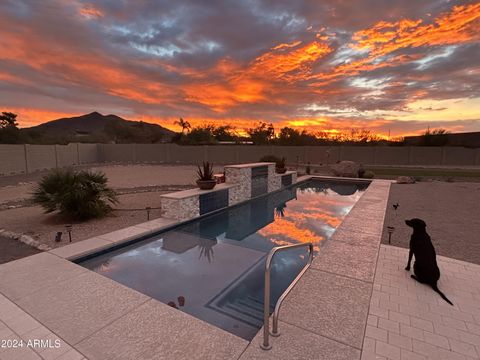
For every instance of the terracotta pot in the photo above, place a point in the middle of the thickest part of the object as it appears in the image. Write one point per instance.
(281, 170)
(206, 184)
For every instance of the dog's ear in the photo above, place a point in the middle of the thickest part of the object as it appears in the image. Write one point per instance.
(421, 223)
(416, 223)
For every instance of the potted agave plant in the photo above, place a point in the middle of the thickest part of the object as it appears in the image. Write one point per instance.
(280, 167)
(205, 179)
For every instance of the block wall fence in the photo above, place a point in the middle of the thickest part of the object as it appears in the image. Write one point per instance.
(21, 159)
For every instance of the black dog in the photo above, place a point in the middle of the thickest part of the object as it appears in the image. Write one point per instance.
(425, 267)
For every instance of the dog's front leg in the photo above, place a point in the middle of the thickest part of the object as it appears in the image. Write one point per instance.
(410, 256)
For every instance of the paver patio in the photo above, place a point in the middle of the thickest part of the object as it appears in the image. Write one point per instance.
(409, 321)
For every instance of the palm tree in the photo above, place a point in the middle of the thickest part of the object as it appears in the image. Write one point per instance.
(184, 124)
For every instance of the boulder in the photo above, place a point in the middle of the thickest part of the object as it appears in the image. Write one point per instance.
(346, 168)
(405, 180)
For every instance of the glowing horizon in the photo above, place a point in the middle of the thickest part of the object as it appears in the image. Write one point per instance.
(397, 71)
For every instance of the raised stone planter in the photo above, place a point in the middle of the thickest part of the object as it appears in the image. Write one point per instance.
(188, 204)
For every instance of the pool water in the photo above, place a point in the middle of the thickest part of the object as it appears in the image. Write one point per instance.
(213, 267)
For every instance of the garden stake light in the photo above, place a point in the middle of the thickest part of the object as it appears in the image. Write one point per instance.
(69, 230)
(390, 230)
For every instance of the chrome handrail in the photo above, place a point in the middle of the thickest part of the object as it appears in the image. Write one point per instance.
(266, 306)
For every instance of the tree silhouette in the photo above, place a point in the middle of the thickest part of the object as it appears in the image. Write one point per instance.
(8, 120)
(184, 124)
(262, 133)
(435, 137)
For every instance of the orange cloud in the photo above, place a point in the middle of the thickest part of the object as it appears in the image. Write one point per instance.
(222, 96)
(30, 116)
(284, 231)
(289, 63)
(90, 11)
(458, 26)
(253, 83)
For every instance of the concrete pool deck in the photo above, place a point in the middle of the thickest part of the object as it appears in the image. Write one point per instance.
(45, 296)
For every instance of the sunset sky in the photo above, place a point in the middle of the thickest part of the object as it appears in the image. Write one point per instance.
(396, 65)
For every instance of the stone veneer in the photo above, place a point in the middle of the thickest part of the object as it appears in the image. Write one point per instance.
(271, 177)
(275, 182)
(181, 209)
(184, 205)
(294, 177)
(242, 177)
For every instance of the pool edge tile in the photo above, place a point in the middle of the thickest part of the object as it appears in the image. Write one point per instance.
(81, 248)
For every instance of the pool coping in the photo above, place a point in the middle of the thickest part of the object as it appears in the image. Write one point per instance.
(294, 332)
(196, 191)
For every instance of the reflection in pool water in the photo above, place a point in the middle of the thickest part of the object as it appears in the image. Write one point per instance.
(215, 264)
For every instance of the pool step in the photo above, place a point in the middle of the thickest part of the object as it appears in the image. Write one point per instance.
(248, 309)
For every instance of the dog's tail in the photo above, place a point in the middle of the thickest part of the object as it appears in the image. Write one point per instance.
(434, 287)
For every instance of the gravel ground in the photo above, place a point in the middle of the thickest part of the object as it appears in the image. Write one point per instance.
(12, 250)
(139, 185)
(18, 187)
(34, 222)
(451, 211)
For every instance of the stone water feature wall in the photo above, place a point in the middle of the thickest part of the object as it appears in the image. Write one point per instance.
(282, 180)
(242, 182)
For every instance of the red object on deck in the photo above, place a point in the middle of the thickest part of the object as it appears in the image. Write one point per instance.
(219, 178)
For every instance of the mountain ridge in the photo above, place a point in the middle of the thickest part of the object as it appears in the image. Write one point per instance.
(111, 127)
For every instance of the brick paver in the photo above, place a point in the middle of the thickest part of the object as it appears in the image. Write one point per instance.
(408, 320)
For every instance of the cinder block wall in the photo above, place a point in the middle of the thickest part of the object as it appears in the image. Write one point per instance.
(12, 159)
(66, 155)
(18, 159)
(40, 157)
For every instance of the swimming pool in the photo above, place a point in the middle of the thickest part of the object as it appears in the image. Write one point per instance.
(212, 267)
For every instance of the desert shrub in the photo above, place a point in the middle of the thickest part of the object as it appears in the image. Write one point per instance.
(368, 174)
(77, 195)
(279, 162)
(205, 172)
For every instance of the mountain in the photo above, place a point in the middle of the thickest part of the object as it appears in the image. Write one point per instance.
(95, 127)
